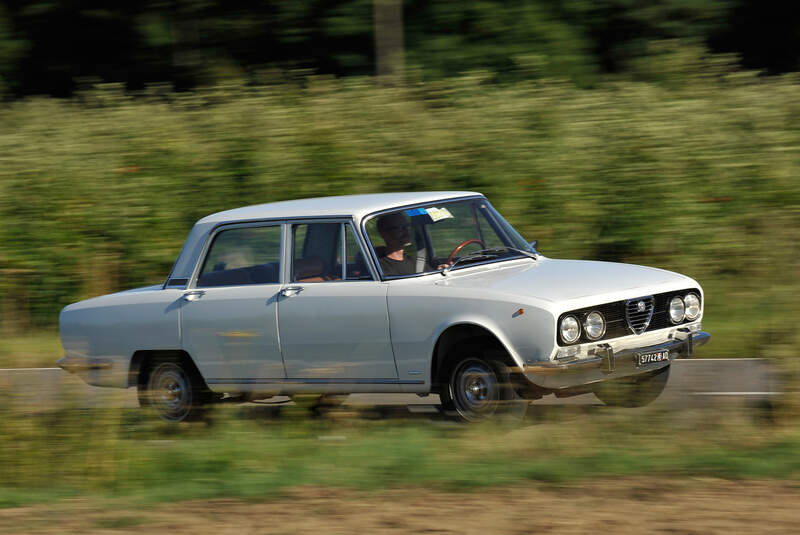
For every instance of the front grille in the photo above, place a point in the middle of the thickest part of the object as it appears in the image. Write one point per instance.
(623, 317)
(639, 312)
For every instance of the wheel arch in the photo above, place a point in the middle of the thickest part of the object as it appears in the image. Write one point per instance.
(462, 333)
(141, 360)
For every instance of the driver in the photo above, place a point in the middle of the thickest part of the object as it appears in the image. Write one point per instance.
(395, 229)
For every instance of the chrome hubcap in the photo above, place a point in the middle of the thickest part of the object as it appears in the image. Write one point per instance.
(170, 391)
(475, 389)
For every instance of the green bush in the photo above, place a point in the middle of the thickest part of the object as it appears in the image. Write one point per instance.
(694, 173)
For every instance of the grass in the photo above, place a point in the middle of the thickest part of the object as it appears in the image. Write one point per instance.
(247, 453)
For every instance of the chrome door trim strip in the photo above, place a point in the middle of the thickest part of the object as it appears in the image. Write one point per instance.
(314, 381)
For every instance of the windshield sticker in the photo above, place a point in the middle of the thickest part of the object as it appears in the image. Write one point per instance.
(437, 214)
(416, 211)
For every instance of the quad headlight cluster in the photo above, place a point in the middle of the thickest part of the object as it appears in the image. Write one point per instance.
(594, 326)
(590, 324)
(686, 307)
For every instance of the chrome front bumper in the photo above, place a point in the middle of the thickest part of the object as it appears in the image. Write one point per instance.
(607, 361)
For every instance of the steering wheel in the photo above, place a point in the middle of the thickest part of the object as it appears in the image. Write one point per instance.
(461, 246)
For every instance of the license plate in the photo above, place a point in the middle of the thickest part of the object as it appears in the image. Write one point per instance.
(653, 356)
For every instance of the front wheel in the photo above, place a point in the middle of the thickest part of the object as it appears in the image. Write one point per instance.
(633, 391)
(173, 392)
(477, 390)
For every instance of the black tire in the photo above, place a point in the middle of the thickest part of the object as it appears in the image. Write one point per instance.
(479, 389)
(634, 391)
(173, 391)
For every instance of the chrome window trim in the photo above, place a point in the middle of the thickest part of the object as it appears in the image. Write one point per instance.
(192, 284)
(373, 273)
(343, 238)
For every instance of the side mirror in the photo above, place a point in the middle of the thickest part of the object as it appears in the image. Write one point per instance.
(535, 245)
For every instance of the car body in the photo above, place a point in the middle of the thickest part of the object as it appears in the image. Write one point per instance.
(304, 296)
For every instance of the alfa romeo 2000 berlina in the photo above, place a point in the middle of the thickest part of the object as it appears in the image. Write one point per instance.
(403, 292)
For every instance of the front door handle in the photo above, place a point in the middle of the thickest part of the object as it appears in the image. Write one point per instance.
(289, 291)
(193, 295)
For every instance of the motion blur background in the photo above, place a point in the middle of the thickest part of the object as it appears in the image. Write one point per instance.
(661, 133)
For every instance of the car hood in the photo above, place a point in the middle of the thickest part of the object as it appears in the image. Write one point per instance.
(569, 280)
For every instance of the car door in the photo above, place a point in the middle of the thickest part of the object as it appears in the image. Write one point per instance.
(334, 324)
(229, 311)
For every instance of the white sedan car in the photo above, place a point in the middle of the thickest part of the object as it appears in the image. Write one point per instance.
(400, 292)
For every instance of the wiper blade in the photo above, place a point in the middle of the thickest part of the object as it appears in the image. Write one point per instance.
(523, 252)
(477, 256)
(487, 254)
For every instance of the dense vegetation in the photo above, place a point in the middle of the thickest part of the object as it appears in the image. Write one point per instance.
(696, 173)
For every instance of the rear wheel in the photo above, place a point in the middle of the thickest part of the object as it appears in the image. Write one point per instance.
(173, 391)
(633, 391)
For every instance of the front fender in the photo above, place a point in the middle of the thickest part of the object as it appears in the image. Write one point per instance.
(417, 321)
(487, 325)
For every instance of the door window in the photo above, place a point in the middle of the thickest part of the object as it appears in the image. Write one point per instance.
(240, 256)
(320, 256)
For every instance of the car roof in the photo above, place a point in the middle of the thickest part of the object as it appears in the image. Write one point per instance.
(356, 206)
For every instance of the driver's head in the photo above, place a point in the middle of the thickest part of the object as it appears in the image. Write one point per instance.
(394, 229)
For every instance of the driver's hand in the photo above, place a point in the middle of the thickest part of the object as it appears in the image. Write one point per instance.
(445, 265)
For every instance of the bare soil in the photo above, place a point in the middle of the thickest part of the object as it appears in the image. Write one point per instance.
(631, 505)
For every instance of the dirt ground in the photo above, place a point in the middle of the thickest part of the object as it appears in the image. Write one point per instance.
(632, 505)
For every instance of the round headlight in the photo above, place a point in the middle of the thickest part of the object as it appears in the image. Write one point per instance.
(692, 306)
(570, 329)
(594, 326)
(677, 310)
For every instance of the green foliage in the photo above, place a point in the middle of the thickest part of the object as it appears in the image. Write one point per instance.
(695, 173)
(512, 39)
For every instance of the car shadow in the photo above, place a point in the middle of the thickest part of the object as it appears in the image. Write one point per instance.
(536, 414)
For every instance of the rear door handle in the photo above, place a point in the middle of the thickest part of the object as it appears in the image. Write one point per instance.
(291, 290)
(193, 295)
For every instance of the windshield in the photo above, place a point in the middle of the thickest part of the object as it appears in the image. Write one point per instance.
(436, 236)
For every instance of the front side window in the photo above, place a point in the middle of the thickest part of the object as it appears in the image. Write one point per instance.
(320, 254)
(239, 256)
(433, 237)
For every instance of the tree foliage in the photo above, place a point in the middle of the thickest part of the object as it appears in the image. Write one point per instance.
(61, 46)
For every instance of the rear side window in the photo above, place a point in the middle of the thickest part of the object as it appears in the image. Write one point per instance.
(240, 256)
(320, 256)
